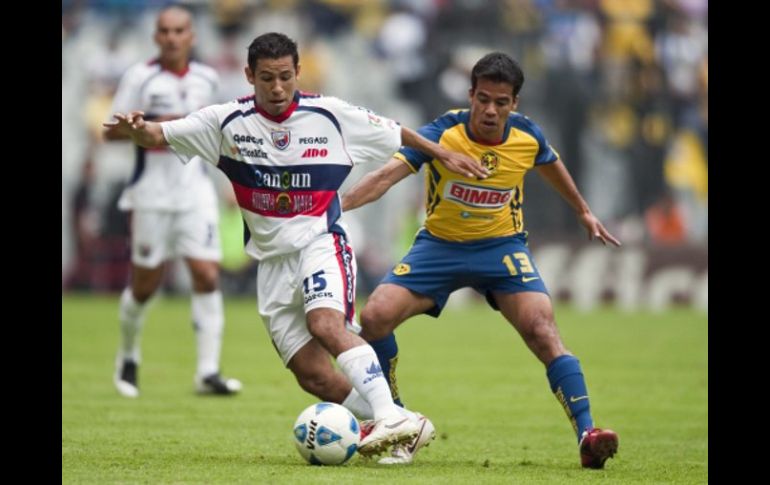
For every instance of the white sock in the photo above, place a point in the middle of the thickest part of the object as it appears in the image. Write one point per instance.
(208, 321)
(358, 406)
(363, 370)
(131, 314)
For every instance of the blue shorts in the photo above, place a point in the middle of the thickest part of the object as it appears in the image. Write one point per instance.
(435, 268)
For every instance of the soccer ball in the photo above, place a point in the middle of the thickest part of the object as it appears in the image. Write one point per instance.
(326, 434)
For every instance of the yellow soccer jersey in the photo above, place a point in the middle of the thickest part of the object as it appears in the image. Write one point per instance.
(465, 209)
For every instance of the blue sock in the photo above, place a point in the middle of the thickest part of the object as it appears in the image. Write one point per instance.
(569, 387)
(387, 352)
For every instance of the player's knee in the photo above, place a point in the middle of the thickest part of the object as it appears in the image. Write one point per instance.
(318, 383)
(543, 337)
(541, 329)
(326, 327)
(142, 291)
(377, 315)
(206, 280)
(374, 326)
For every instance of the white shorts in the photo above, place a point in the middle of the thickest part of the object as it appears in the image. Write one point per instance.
(160, 235)
(322, 275)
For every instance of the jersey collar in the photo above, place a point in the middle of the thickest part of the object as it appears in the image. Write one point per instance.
(467, 122)
(283, 116)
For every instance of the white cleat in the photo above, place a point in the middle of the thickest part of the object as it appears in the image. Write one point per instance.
(216, 384)
(125, 378)
(386, 432)
(403, 454)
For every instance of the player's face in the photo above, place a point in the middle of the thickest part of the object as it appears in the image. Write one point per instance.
(274, 81)
(490, 104)
(174, 35)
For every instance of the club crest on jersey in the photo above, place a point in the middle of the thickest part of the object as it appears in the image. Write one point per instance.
(283, 203)
(490, 161)
(401, 269)
(281, 139)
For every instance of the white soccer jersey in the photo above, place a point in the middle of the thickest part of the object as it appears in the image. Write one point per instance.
(159, 181)
(286, 170)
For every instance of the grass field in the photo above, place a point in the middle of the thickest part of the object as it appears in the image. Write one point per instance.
(496, 420)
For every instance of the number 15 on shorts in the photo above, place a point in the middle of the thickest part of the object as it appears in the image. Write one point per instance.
(317, 281)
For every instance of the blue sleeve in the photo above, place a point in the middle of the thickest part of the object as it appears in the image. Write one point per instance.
(432, 131)
(545, 153)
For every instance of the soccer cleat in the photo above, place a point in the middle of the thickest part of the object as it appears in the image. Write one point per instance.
(403, 453)
(125, 379)
(596, 446)
(366, 427)
(216, 384)
(388, 431)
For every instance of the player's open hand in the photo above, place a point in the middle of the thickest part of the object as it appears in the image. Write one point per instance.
(596, 230)
(126, 125)
(464, 165)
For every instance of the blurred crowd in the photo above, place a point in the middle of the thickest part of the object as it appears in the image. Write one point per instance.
(620, 88)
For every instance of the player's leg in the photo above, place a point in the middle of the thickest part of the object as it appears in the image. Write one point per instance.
(281, 300)
(208, 322)
(514, 286)
(315, 374)
(386, 308)
(517, 290)
(531, 313)
(357, 360)
(133, 306)
(313, 369)
(148, 252)
(196, 237)
(420, 283)
(328, 291)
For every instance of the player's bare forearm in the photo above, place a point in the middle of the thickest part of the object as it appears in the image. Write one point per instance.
(113, 135)
(133, 126)
(374, 184)
(160, 118)
(456, 162)
(557, 175)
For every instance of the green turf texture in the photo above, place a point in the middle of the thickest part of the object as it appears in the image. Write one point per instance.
(496, 419)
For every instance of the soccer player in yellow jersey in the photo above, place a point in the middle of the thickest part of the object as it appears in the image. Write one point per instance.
(474, 237)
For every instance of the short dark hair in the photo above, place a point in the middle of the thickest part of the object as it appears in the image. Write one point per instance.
(272, 46)
(499, 68)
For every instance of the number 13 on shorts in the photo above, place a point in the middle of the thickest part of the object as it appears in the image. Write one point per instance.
(525, 266)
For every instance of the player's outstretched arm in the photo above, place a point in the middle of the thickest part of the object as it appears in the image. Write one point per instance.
(133, 126)
(374, 184)
(557, 175)
(456, 162)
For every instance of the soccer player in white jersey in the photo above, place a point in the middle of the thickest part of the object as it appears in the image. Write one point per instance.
(174, 208)
(286, 154)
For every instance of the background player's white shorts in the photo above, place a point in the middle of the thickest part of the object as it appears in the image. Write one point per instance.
(160, 235)
(322, 275)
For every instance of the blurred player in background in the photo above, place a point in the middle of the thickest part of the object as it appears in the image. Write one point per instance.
(174, 208)
(474, 237)
(287, 153)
